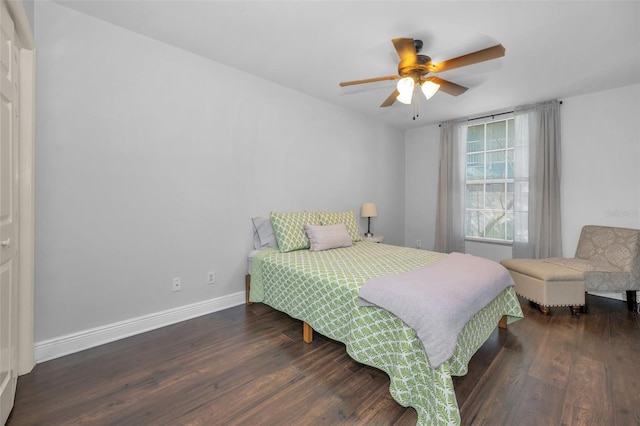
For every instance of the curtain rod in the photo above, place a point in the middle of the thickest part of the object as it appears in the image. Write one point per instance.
(492, 115)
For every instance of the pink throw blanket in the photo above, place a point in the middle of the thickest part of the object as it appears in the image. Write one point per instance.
(438, 299)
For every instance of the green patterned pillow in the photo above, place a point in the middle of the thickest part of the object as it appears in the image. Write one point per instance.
(289, 229)
(348, 218)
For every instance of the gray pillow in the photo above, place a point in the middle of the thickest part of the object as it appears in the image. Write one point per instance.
(263, 236)
(327, 237)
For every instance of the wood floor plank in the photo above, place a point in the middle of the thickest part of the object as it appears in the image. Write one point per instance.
(556, 351)
(491, 404)
(588, 399)
(248, 365)
(381, 409)
(298, 397)
(218, 406)
(535, 409)
(346, 396)
(623, 367)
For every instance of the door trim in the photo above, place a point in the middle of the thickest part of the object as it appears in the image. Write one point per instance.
(26, 170)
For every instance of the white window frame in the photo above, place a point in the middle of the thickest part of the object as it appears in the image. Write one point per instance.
(505, 181)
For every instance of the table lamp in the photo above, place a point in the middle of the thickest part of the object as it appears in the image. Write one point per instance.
(368, 210)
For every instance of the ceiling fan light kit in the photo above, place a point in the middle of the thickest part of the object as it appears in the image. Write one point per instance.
(413, 68)
(406, 88)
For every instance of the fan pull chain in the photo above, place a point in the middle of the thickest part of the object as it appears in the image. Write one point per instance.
(416, 104)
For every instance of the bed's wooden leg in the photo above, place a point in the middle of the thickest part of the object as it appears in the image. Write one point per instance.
(503, 322)
(247, 288)
(307, 333)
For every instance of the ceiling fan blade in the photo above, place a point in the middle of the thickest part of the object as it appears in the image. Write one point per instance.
(391, 99)
(405, 48)
(448, 87)
(369, 80)
(487, 54)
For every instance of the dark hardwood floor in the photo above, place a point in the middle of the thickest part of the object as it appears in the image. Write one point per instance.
(248, 365)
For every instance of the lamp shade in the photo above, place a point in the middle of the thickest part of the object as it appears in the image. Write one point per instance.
(405, 87)
(429, 88)
(405, 98)
(368, 210)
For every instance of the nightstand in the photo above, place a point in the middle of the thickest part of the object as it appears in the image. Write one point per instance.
(373, 239)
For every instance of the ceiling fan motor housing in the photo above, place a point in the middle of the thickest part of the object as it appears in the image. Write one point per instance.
(415, 67)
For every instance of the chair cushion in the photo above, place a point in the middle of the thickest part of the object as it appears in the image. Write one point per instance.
(543, 270)
(584, 265)
(599, 276)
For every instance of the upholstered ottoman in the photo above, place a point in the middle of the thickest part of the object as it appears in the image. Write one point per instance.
(547, 284)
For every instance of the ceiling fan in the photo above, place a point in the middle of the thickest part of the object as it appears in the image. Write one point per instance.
(413, 69)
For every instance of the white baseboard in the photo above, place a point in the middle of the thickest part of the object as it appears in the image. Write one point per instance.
(76, 342)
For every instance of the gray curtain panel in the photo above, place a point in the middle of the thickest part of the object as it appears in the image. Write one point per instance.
(451, 188)
(537, 221)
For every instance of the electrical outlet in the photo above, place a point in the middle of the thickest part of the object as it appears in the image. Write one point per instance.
(418, 244)
(211, 277)
(176, 284)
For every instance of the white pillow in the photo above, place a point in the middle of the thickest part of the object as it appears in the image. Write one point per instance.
(328, 236)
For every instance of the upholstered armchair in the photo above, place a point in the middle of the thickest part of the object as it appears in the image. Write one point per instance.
(607, 259)
(610, 258)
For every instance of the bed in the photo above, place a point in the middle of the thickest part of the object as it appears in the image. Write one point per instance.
(321, 288)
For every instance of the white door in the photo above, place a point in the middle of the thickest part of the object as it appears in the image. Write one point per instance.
(9, 262)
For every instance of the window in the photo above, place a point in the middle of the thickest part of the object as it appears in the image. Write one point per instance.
(489, 181)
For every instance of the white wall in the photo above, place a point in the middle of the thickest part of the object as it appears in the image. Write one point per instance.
(600, 170)
(151, 162)
(421, 185)
(600, 162)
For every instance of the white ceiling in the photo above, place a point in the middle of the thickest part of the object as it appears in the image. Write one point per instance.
(553, 49)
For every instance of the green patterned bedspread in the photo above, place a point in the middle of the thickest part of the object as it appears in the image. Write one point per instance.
(321, 288)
